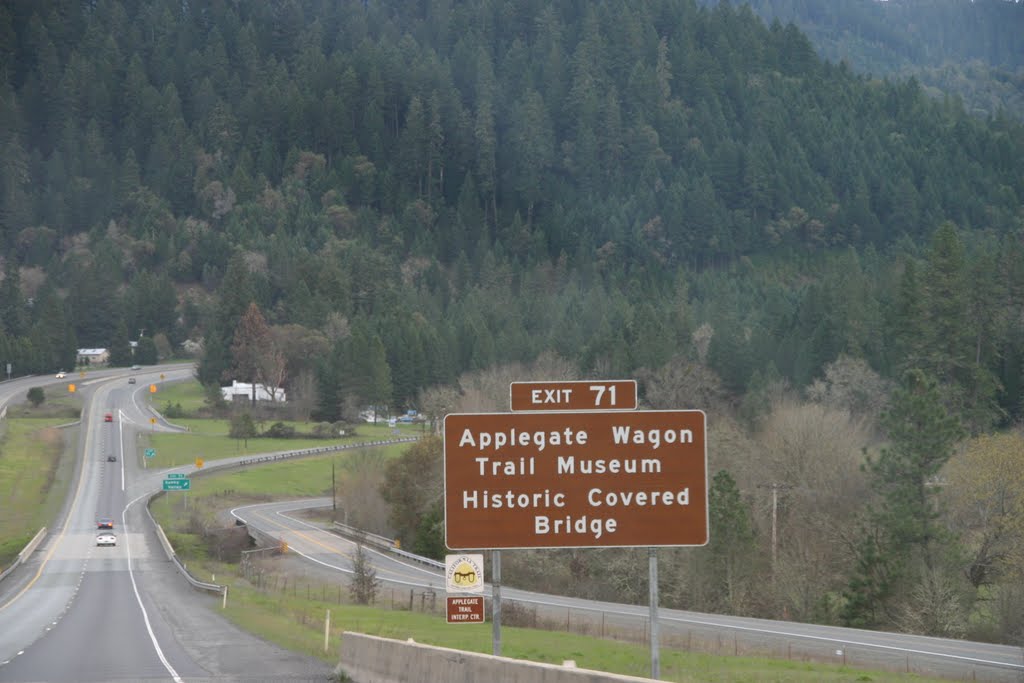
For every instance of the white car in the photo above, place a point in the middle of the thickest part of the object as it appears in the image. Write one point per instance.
(106, 539)
(61, 375)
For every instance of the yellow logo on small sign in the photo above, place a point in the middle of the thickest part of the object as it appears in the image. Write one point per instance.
(464, 573)
(199, 463)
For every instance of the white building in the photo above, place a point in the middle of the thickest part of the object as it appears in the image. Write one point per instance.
(93, 356)
(242, 391)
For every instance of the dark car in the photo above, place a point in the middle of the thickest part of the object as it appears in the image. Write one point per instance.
(111, 458)
(131, 380)
(104, 523)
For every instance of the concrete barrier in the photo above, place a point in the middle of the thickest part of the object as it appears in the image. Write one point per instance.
(370, 659)
(25, 553)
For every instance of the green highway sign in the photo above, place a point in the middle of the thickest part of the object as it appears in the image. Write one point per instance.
(175, 475)
(150, 452)
(177, 484)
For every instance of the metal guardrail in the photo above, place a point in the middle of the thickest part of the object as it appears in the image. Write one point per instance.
(384, 543)
(173, 557)
(285, 455)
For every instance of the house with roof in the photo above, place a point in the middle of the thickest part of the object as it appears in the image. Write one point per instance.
(93, 356)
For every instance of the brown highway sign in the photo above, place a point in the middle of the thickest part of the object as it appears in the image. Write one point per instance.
(565, 480)
(465, 609)
(618, 394)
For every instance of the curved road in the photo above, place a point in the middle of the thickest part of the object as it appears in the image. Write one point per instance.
(77, 612)
(855, 647)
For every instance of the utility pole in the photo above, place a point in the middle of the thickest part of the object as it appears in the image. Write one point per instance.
(334, 495)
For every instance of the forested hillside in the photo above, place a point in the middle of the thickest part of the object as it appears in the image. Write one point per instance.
(971, 49)
(417, 196)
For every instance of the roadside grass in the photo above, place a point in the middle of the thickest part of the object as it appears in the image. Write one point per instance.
(297, 623)
(293, 615)
(36, 467)
(58, 403)
(189, 395)
(209, 440)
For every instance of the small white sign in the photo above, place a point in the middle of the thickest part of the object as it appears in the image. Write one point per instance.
(464, 573)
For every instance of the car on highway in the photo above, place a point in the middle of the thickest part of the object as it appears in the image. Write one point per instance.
(61, 375)
(109, 417)
(131, 380)
(104, 523)
(136, 367)
(106, 539)
(111, 458)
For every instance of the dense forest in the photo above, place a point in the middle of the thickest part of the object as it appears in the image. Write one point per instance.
(971, 50)
(393, 203)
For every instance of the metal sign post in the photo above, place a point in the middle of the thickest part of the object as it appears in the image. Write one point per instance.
(496, 602)
(652, 563)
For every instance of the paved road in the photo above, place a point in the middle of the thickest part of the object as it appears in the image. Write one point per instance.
(726, 634)
(77, 612)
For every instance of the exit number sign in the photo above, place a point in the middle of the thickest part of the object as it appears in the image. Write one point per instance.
(573, 396)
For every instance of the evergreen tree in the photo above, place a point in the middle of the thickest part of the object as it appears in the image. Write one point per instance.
(251, 343)
(903, 538)
(146, 352)
(119, 348)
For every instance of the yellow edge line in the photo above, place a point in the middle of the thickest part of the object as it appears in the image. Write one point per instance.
(67, 521)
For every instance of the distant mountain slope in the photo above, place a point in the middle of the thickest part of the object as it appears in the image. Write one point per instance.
(971, 49)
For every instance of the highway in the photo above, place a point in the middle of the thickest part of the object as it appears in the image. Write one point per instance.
(955, 659)
(78, 612)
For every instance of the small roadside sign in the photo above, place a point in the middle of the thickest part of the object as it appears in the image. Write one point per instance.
(152, 388)
(152, 420)
(175, 475)
(199, 463)
(465, 609)
(150, 452)
(464, 573)
(177, 484)
(72, 388)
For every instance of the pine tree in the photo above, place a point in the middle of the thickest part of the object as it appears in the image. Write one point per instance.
(251, 343)
(902, 537)
(119, 348)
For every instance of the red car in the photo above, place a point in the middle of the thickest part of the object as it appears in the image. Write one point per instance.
(109, 417)
(104, 523)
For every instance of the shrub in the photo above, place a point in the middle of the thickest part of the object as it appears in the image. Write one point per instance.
(173, 410)
(280, 430)
(36, 396)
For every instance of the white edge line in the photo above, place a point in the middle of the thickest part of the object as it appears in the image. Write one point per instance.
(120, 443)
(138, 598)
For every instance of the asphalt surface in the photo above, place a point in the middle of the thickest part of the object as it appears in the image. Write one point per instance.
(78, 612)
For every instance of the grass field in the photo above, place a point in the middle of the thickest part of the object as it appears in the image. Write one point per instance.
(36, 465)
